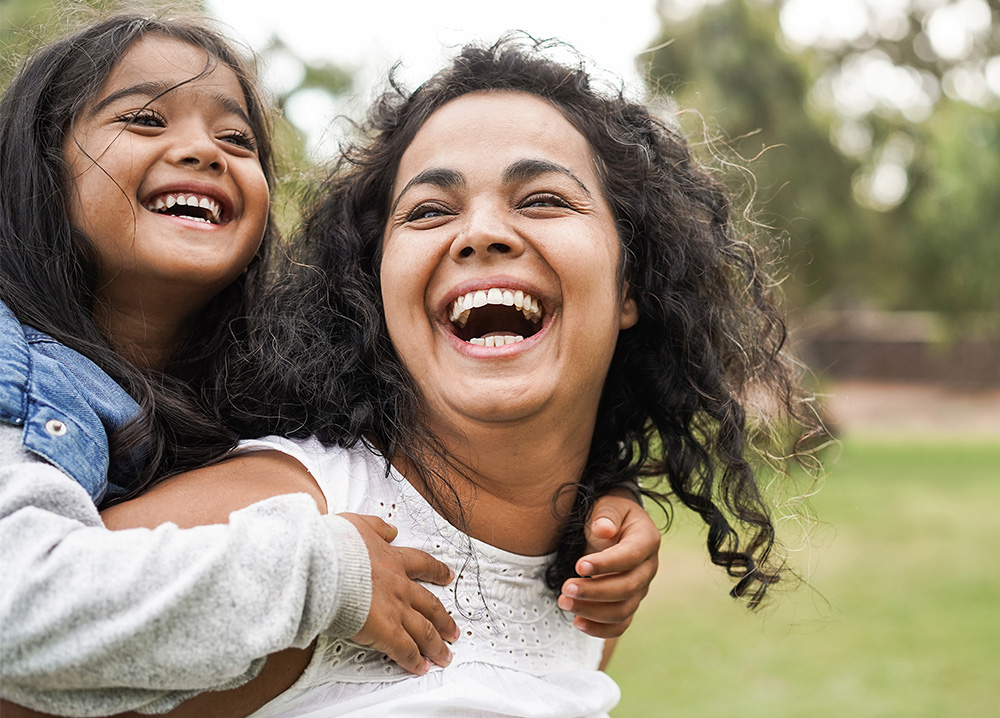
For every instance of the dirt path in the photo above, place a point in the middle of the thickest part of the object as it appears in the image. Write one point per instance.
(914, 410)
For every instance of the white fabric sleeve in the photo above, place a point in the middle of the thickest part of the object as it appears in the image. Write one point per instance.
(94, 621)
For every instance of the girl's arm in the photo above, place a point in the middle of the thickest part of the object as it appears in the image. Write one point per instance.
(405, 620)
(98, 621)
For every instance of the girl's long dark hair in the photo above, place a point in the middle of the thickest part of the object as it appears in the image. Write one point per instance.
(672, 414)
(48, 269)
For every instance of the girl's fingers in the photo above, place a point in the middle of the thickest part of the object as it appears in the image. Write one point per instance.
(427, 636)
(635, 552)
(611, 587)
(601, 630)
(429, 608)
(603, 613)
(421, 566)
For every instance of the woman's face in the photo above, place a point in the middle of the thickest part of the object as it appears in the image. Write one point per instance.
(499, 270)
(164, 176)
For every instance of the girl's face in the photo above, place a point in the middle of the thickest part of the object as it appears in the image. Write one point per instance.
(164, 177)
(499, 270)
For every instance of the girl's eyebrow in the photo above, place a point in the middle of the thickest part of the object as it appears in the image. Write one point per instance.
(154, 90)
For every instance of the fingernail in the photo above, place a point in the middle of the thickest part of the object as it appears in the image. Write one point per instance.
(427, 666)
(586, 568)
(580, 624)
(447, 659)
(565, 603)
(458, 634)
(571, 589)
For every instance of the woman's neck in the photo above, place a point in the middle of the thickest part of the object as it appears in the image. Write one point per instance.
(510, 481)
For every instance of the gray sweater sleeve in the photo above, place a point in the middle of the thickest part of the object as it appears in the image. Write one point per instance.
(94, 622)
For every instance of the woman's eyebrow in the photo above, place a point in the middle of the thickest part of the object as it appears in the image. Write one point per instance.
(526, 169)
(438, 177)
(154, 90)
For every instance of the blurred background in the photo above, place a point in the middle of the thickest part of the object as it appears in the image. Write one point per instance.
(863, 137)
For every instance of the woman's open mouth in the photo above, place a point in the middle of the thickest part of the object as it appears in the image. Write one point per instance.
(496, 316)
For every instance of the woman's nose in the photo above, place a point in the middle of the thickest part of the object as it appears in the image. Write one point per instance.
(485, 234)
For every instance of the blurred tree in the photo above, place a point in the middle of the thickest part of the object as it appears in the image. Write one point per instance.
(885, 186)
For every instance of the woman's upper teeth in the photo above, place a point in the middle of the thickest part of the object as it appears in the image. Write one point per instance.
(523, 301)
(164, 202)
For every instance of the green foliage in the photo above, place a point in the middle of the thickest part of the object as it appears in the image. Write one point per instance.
(727, 63)
(898, 618)
(936, 248)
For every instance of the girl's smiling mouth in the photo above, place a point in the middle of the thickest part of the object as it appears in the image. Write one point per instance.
(495, 316)
(187, 205)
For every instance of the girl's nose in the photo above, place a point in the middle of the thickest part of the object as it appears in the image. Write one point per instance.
(200, 151)
(486, 234)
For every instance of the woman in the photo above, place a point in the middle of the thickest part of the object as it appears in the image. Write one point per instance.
(518, 293)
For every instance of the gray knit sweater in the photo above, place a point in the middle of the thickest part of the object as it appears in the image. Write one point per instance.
(95, 622)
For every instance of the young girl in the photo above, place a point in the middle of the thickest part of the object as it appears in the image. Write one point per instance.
(527, 292)
(136, 161)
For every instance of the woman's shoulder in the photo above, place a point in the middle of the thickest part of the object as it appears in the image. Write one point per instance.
(345, 474)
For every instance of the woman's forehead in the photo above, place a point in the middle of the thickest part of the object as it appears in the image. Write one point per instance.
(500, 126)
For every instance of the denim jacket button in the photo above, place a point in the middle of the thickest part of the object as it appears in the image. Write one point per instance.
(55, 427)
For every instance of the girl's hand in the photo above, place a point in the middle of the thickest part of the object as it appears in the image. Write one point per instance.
(621, 560)
(406, 621)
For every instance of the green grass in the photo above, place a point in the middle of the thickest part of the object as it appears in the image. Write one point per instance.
(900, 616)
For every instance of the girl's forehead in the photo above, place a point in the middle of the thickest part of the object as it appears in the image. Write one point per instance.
(156, 64)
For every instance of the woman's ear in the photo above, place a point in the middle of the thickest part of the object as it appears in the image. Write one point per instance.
(629, 311)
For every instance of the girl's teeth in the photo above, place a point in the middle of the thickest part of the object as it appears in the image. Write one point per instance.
(165, 202)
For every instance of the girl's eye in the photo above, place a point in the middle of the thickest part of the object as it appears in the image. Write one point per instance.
(544, 200)
(142, 118)
(241, 139)
(426, 211)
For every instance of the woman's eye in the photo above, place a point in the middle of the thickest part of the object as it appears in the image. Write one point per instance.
(426, 211)
(142, 118)
(241, 139)
(544, 200)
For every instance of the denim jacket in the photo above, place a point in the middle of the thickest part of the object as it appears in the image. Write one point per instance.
(67, 406)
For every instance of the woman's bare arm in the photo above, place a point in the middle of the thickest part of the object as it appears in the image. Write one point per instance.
(208, 495)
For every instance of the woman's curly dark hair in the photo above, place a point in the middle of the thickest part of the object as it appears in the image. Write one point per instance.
(673, 402)
(49, 269)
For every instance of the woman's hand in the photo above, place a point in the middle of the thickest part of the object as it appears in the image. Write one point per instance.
(621, 560)
(406, 621)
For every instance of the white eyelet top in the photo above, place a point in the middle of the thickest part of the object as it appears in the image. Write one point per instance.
(518, 654)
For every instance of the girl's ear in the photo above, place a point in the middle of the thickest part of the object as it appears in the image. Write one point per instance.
(629, 310)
